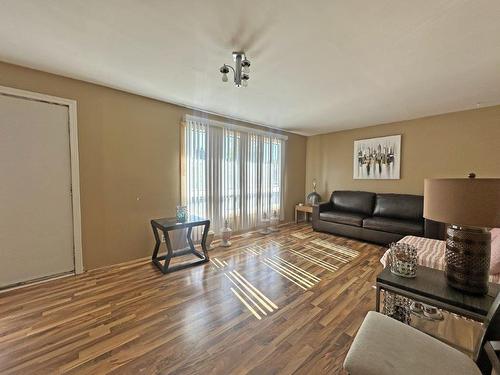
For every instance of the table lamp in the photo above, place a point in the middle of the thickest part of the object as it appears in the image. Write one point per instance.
(469, 206)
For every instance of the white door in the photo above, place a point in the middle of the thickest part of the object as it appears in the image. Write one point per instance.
(36, 216)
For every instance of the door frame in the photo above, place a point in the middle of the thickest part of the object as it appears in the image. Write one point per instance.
(74, 162)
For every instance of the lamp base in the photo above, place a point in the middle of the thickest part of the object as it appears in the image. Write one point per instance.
(468, 259)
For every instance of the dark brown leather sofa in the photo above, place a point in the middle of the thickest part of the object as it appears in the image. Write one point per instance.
(378, 218)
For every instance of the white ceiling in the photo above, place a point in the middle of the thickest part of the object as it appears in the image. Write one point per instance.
(317, 66)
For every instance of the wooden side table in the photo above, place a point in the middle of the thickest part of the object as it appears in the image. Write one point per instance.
(306, 211)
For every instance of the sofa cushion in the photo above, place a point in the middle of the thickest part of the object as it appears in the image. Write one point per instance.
(340, 217)
(384, 346)
(399, 206)
(384, 224)
(360, 202)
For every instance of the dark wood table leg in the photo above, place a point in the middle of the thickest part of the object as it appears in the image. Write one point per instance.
(377, 302)
(204, 255)
(204, 241)
(157, 244)
(157, 259)
(170, 252)
(190, 240)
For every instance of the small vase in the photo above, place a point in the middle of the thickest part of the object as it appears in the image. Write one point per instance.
(265, 225)
(210, 238)
(226, 235)
(181, 214)
(274, 222)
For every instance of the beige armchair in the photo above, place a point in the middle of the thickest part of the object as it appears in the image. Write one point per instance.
(386, 346)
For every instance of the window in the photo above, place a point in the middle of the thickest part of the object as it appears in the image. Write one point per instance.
(231, 173)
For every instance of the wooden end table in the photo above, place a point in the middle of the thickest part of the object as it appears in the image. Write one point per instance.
(165, 225)
(430, 287)
(306, 211)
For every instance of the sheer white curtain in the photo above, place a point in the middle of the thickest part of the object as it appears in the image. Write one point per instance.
(232, 173)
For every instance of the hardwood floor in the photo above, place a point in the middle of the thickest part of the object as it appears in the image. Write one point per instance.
(289, 302)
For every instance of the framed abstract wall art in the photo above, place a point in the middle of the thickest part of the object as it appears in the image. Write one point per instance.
(377, 158)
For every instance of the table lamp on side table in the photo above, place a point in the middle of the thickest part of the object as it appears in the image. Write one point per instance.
(469, 206)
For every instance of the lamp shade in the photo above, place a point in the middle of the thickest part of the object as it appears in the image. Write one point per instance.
(473, 202)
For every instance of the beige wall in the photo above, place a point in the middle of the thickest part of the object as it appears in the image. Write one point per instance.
(449, 145)
(129, 163)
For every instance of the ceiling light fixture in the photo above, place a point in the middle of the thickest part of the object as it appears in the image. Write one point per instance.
(241, 70)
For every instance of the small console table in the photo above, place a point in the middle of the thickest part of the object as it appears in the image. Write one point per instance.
(165, 225)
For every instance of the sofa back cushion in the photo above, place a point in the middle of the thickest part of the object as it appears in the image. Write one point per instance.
(353, 201)
(400, 206)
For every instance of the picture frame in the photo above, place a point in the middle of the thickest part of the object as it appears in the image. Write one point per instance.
(377, 158)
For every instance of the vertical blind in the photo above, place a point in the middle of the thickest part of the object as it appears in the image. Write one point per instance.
(232, 173)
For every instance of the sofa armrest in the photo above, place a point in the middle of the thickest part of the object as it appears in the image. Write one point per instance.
(325, 206)
(321, 207)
